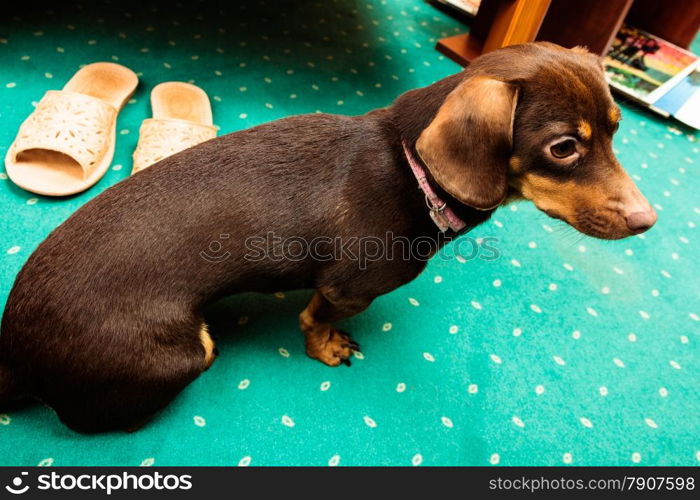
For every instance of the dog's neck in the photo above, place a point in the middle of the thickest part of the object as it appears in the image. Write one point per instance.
(410, 114)
(443, 216)
(413, 111)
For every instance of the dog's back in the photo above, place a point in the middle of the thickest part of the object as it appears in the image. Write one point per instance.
(105, 313)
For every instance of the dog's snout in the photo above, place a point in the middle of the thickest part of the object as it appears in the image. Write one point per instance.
(637, 212)
(638, 222)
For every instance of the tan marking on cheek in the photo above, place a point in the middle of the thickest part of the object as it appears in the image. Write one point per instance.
(565, 198)
(548, 194)
(584, 130)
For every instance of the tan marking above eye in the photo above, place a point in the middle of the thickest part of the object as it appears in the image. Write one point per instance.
(584, 130)
(614, 115)
(515, 163)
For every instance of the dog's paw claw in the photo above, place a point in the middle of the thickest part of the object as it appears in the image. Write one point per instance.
(333, 349)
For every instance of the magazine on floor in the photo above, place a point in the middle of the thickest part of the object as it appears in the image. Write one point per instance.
(468, 6)
(655, 73)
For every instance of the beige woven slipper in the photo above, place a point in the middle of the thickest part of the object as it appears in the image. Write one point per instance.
(66, 145)
(181, 119)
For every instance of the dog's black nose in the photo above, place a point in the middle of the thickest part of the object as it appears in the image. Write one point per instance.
(639, 222)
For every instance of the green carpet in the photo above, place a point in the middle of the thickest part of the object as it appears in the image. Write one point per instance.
(565, 350)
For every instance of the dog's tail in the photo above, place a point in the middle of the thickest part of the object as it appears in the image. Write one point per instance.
(8, 385)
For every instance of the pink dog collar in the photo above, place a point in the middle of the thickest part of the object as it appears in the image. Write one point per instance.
(442, 215)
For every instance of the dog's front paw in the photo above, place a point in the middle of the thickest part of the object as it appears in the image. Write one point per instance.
(332, 348)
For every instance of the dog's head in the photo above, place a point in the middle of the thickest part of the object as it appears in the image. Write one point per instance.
(536, 120)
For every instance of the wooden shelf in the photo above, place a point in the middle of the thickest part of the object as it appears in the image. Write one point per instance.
(497, 23)
(461, 48)
(593, 24)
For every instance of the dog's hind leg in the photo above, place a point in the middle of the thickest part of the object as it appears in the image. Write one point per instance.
(324, 342)
(124, 395)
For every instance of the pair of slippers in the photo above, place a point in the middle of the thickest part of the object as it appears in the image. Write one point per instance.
(66, 145)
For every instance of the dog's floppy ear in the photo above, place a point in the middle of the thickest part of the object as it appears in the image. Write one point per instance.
(468, 144)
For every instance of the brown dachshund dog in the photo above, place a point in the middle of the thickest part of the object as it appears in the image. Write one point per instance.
(104, 322)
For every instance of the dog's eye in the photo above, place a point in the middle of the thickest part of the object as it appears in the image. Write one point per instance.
(563, 149)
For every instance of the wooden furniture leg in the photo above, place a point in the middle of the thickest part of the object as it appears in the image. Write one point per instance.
(498, 23)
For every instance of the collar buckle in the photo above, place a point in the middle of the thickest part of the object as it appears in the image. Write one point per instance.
(434, 208)
(442, 215)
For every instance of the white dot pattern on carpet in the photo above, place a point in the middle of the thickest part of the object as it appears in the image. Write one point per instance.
(489, 348)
